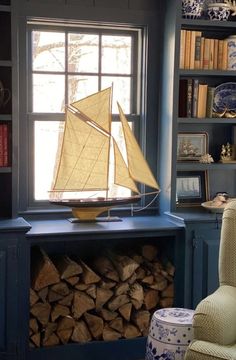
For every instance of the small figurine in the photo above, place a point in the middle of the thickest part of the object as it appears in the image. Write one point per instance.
(206, 159)
(220, 198)
(226, 152)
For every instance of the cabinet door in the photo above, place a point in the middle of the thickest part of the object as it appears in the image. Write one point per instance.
(206, 240)
(8, 298)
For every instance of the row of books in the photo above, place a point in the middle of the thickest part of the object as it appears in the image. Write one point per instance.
(195, 99)
(198, 52)
(4, 145)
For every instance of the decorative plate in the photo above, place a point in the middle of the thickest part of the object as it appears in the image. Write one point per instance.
(212, 207)
(225, 97)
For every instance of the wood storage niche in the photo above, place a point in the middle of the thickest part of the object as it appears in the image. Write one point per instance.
(98, 292)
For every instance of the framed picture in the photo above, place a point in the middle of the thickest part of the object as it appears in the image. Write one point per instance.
(191, 146)
(191, 188)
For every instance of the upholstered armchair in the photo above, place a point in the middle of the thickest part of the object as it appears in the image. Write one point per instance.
(214, 319)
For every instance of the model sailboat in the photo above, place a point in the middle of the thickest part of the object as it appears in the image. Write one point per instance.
(83, 163)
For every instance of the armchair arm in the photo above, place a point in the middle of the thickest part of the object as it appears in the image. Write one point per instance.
(215, 317)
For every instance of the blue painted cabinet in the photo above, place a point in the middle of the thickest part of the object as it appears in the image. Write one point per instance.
(206, 241)
(12, 235)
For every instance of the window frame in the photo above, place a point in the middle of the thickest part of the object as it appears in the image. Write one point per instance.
(136, 100)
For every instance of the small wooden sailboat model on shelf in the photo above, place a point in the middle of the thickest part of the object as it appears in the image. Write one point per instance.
(83, 163)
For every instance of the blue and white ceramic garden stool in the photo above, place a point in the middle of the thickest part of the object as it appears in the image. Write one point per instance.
(170, 333)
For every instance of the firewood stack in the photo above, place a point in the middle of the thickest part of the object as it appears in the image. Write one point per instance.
(111, 298)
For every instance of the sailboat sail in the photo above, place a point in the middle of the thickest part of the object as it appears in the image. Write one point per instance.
(83, 165)
(97, 107)
(137, 164)
(122, 175)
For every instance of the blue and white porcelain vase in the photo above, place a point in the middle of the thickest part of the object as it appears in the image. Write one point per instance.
(192, 9)
(170, 333)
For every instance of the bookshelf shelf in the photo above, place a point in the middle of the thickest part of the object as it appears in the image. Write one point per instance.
(214, 121)
(210, 167)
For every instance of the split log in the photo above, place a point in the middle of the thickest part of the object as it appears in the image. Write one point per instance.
(103, 295)
(125, 311)
(122, 288)
(106, 284)
(151, 299)
(166, 302)
(149, 252)
(117, 302)
(140, 273)
(142, 320)
(81, 286)
(33, 297)
(131, 331)
(43, 293)
(110, 334)
(117, 324)
(59, 310)
(61, 288)
(36, 339)
(67, 300)
(88, 275)
(65, 329)
(44, 272)
(41, 311)
(53, 340)
(148, 280)
(170, 268)
(160, 283)
(132, 279)
(73, 280)
(105, 267)
(95, 325)
(124, 265)
(81, 303)
(33, 325)
(81, 332)
(53, 296)
(136, 293)
(107, 315)
(49, 330)
(168, 291)
(66, 266)
(92, 291)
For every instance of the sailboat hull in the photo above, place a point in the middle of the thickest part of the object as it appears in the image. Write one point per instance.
(89, 209)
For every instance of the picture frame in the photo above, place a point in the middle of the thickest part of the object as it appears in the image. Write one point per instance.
(191, 188)
(191, 146)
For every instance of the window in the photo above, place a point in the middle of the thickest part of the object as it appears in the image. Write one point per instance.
(67, 64)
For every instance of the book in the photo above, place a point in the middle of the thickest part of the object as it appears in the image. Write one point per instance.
(206, 54)
(202, 100)
(211, 55)
(195, 97)
(197, 54)
(225, 55)
(215, 59)
(187, 49)
(182, 48)
(183, 97)
(1, 146)
(220, 54)
(210, 99)
(192, 50)
(202, 52)
(189, 97)
(4, 145)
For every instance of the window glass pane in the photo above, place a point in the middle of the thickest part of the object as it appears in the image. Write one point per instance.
(48, 93)
(45, 132)
(82, 53)
(48, 51)
(81, 86)
(121, 92)
(116, 54)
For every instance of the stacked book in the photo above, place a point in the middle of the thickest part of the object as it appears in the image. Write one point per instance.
(195, 98)
(198, 52)
(4, 145)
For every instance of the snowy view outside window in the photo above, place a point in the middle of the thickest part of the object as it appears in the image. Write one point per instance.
(67, 66)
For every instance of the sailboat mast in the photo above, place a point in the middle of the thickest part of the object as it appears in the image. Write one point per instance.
(109, 153)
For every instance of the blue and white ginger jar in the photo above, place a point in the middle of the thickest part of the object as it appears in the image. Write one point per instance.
(192, 9)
